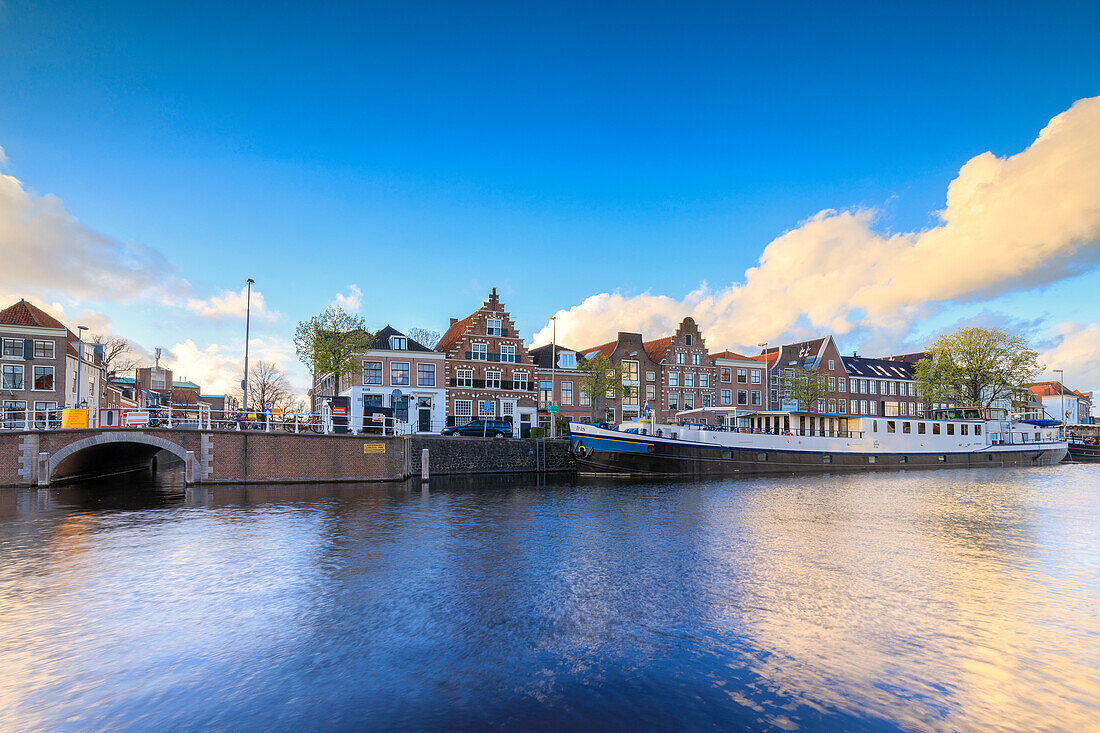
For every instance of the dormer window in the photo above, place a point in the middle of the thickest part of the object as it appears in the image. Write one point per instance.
(399, 343)
(567, 360)
(492, 326)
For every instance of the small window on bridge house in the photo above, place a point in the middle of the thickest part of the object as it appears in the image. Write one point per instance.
(890, 426)
(907, 427)
(920, 428)
(950, 428)
(935, 428)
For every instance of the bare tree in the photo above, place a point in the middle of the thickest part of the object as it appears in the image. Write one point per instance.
(267, 384)
(425, 336)
(118, 354)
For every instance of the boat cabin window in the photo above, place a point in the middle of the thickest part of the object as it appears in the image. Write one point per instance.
(977, 430)
(920, 428)
(950, 429)
(890, 426)
(903, 459)
(826, 459)
(965, 429)
(874, 426)
(1037, 438)
(872, 459)
(907, 427)
(935, 428)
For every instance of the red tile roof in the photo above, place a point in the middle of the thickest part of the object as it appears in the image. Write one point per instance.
(657, 348)
(730, 355)
(454, 333)
(26, 314)
(602, 350)
(1053, 389)
(769, 358)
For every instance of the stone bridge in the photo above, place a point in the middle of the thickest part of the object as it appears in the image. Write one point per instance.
(38, 458)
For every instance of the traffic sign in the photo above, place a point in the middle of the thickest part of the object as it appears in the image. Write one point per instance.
(552, 408)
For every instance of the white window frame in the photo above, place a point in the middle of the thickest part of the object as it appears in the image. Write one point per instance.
(22, 376)
(674, 379)
(479, 352)
(516, 380)
(704, 380)
(365, 369)
(689, 379)
(510, 351)
(422, 370)
(408, 373)
(481, 408)
(651, 376)
(53, 378)
(492, 379)
(567, 394)
(52, 350)
(493, 330)
(469, 410)
(465, 378)
(689, 400)
(399, 343)
(17, 353)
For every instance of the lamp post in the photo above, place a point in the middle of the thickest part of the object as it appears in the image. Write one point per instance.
(247, 323)
(1062, 397)
(79, 358)
(767, 379)
(553, 371)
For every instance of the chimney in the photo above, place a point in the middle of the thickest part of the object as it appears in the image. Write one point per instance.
(454, 321)
(494, 301)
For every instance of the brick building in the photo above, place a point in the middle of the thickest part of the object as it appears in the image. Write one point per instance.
(39, 363)
(488, 371)
(820, 354)
(560, 385)
(741, 386)
(398, 363)
(641, 373)
(686, 372)
(883, 387)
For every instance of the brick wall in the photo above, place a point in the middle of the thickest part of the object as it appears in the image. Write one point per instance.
(447, 455)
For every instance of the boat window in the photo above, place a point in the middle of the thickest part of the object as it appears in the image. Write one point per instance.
(1024, 436)
(874, 426)
(989, 457)
(1037, 438)
(890, 426)
(977, 430)
(920, 428)
(872, 459)
(935, 428)
(826, 459)
(761, 456)
(907, 427)
(950, 428)
(903, 459)
(965, 429)
(943, 459)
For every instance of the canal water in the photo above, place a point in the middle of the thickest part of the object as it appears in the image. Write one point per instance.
(950, 600)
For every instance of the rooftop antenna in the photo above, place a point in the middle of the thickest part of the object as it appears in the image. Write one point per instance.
(156, 353)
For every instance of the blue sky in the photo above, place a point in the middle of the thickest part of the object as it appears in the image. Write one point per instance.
(425, 153)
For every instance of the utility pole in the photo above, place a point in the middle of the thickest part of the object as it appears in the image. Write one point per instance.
(1062, 397)
(79, 358)
(553, 381)
(767, 380)
(247, 323)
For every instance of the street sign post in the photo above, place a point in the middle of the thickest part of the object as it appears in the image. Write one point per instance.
(552, 409)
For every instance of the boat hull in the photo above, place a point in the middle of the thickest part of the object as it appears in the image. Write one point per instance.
(1084, 453)
(630, 455)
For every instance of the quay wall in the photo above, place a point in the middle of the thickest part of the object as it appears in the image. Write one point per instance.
(259, 457)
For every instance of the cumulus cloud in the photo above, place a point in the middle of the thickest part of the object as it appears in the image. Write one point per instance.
(231, 304)
(1076, 350)
(219, 369)
(351, 302)
(3, 158)
(1009, 224)
(48, 256)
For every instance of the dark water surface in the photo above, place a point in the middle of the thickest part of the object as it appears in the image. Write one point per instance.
(950, 600)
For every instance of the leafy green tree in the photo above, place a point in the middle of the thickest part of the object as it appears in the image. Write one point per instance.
(976, 367)
(601, 379)
(804, 386)
(330, 343)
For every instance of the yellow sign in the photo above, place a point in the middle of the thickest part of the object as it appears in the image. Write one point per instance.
(74, 418)
(374, 447)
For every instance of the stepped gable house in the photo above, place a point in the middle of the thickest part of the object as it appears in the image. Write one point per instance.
(488, 371)
(686, 378)
(640, 372)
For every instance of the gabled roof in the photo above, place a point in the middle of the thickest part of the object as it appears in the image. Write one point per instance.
(657, 348)
(455, 333)
(731, 355)
(27, 314)
(382, 341)
(879, 368)
(911, 358)
(769, 357)
(1055, 389)
(602, 350)
(543, 355)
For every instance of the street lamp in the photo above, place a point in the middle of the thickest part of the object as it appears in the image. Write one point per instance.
(767, 379)
(79, 358)
(553, 381)
(247, 322)
(1062, 397)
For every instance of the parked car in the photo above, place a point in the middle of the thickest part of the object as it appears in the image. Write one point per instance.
(479, 428)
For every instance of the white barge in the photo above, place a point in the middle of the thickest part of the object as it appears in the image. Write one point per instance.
(793, 442)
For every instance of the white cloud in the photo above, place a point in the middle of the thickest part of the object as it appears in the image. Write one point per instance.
(3, 158)
(232, 305)
(47, 255)
(352, 302)
(1076, 350)
(219, 369)
(1009, 224)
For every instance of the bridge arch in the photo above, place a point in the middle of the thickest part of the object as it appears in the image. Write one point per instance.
(119, 439)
